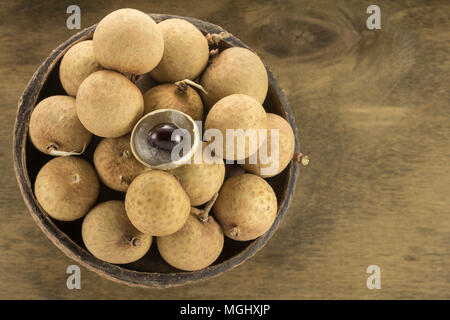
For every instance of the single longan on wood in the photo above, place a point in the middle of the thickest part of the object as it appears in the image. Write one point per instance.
(286, 145)
(115, 163)
(195, 246)
(234, 70)
(171, 96)
(128, 41)
(186, 52)
(238, 112)
(246, 207)
(108, 104)
(66, 188)
(109, 235)
(201, 180)
(55, 128)
(156, 204)
(76, 65)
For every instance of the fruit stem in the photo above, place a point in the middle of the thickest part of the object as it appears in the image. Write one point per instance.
(132, 77)
(52, 149)
(125, 154)
(203, 215)
(234, 232)
(191, 83)
(135, 242)
(122, 180)
(215, 38)
(300, 158)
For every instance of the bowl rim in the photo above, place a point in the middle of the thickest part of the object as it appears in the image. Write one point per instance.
(80, 255)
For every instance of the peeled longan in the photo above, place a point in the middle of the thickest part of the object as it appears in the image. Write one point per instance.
(234, 70)
(171, 96)
(200, 180)
(78, 63)
(194, 247)
(186, 52)
(55, 128)
(115, 163)
(108, 104)
(129, 41)
(66, 187)
(246, 207)
(238, 111)
(285, 145)
(156, 204)
(110, 236)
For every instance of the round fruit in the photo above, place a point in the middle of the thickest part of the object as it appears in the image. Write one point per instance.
(109, 235)
(186, 52)
(156, 204)
(201, 180)
(66, 187)
(171, 96)
(195, 246)
(115, 163)
(76, 65)
(286, 145)
(246, 207)
(234, 112)
(108, 104)
(55, 128)
(129, 41)
(235, 70)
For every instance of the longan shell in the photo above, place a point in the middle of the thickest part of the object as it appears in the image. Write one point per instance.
(237, 111)
(200, 180)
(186, 52)
(110, 236)
(66, 188)
(115, 163)
(286, 147)
(76, 65)
(129, 41)
(234, 70)
(246, 202)
(156, 204)
(54, 123)
(168, 96)
(108, 104)
(194, 247)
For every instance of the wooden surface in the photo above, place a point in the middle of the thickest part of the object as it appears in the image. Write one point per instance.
(372, 109)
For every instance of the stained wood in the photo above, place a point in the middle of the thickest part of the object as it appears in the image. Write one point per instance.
(372, 112)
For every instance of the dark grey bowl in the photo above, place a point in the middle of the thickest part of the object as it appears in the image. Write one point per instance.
(150, 271)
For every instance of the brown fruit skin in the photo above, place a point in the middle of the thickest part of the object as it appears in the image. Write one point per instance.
(66, 187)
(54, 122)
(248, 203)
(186, 52)
(286, 147)
(108, 104)
(200, 181)
(235, 70)
(110, 236)
(129, 41)
(167, 96)
(156, 204)
(76, 65)
(113, 159)
(194, 247)
(237, 111)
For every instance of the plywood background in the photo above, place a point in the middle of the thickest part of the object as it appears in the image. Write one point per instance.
(372, 109)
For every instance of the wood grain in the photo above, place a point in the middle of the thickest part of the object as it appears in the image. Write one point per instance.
(372, 109)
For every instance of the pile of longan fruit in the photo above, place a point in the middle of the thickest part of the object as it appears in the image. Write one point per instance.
(132, 67)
